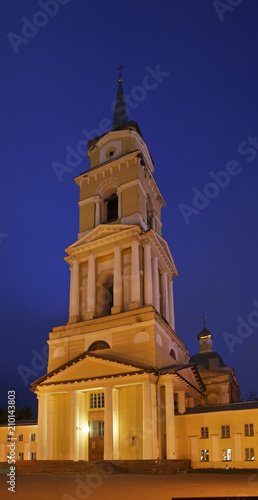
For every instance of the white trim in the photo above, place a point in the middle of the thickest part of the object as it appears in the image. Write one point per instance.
(86, 201)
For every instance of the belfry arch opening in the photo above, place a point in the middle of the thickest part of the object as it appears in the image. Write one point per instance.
(109, 205)
(150, 219)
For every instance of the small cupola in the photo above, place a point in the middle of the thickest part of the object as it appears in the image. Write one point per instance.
(205, 339)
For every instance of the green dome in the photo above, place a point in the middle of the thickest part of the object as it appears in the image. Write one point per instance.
(204, 359)
(204, 333)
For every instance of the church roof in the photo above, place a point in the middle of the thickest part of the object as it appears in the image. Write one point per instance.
(203, 359)
(247, 405)
(126, 126)
(120, 113)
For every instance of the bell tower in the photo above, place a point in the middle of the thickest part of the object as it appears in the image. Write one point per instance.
(122, 271)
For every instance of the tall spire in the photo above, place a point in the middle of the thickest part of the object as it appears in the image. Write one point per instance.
(120, 113)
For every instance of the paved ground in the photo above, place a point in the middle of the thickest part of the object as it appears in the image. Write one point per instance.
(129, 486)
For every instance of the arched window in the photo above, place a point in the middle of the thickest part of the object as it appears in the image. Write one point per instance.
(109, 201)
(98, 345)
(172, 353)
(112, 207)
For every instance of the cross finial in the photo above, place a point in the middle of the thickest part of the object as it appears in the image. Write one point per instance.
(120, 74)
(204, 318)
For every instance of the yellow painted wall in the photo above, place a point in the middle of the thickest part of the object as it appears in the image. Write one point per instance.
(26, 446)
(130, 422)
(190, 425)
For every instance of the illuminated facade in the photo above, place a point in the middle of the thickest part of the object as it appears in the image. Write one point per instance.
(120, 383)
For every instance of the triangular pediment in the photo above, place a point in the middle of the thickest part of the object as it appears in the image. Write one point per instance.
(89, 366)
(99, 232)
(166, 250)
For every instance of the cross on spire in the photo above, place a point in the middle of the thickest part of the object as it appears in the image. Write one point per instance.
(204, 318)
(120, 73)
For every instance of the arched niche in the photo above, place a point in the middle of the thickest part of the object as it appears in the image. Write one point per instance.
(58, 352)
(141, 337)
(104, 298)
(158, 339)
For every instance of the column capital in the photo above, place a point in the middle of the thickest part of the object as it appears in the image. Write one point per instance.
(91, 256)
(169, 383)
(135, 240)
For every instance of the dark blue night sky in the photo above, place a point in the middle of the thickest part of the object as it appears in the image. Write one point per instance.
(198, 113)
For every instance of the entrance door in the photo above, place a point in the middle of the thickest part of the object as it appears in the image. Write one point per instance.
(96, 440)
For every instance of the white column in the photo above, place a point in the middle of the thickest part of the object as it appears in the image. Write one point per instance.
(181, 402)
(115, 395)
(74, 429)
(91, 299)
(156, 292)
(136, 295)
(108, 417)
(171, 304)
(119, 194)
(117, 290)
(148, 298)
(42, 427)
(170, 421)
(147, 425)
(164, 295)
(75, 292)
(71, 291)
(97, 211)
(51, 428)
(81, 409)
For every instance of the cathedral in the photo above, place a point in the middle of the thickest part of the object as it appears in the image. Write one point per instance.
(120, 383)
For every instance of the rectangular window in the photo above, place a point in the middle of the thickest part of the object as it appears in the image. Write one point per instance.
(20, 456)
(33, 455)
(204, 455)
(249, 429)
(249, 454)
(97, 400)
(8, 438)
(97, 428)
(20, 437)
(225, 431)
(32, 437)
(204, 432)
(226, 455)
